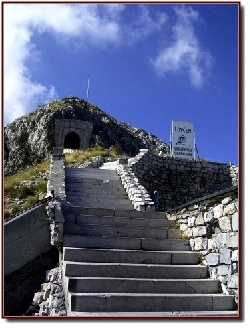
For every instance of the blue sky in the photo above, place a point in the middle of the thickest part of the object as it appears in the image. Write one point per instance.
(148, 64)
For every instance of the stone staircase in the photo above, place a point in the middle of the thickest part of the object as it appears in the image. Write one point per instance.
(95, 188)
(121, 262)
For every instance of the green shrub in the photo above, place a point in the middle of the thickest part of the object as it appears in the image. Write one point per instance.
(6, 215)
(41, 186)
(26, 191)
(29, 202)
(15, 208)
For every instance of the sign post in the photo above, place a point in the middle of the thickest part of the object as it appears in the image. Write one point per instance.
(183, 144)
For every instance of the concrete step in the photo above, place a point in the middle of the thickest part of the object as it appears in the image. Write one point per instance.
(115, 231)
(89, 173)
(139, 285)
(93, 193)
(131, 270)
(129, 256)
(101, 206)
(101, 176)
(130, 314)
(126, 243)
(73, 209)
(91, 302)
(118, 221)
(92, 183)
(114, 201)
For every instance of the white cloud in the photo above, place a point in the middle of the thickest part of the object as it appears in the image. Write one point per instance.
(87, 22)
(145, 23)
(184, 54)
(96, 25)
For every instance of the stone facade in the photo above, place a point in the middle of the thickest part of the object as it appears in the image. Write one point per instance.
(177, 180)
(73, 134)
(211, 225)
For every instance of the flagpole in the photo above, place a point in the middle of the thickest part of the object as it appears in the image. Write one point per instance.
(88, 89)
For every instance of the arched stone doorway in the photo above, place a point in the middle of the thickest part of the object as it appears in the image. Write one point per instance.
(72, 141)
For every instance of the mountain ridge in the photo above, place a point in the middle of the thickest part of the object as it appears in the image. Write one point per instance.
(30, 138)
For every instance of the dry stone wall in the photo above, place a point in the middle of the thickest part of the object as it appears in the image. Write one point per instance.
(211, 225)
(177, 180)
(138, 195)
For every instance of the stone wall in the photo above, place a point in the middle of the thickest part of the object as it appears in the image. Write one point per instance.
(177, 180)
(57, 174)
(211, 225)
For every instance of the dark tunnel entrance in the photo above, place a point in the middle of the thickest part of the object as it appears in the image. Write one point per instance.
(72, 141)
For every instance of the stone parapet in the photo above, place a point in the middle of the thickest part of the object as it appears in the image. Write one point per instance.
(56, 181)
(136, 192)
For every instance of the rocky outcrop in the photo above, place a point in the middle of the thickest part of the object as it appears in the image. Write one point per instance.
(31, 138)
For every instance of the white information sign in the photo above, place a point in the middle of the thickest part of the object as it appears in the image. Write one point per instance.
(183, 139)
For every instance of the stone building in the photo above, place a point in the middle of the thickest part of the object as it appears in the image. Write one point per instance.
(73, 134)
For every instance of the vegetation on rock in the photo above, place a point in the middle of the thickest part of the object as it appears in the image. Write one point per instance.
(23, 189)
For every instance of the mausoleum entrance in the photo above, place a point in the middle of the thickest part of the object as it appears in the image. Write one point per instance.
(72, 134)
(72, 141)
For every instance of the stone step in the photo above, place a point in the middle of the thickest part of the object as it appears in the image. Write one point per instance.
(89, 172)
(112, 202)
(125, 243)
(115, 231)
(130, 314)
(119, 302)
(93, 193)
(89, 175)
(118, 221)
(93, 183)
(101, 206)
(129, 256)
(73, 209)
(131, 270)
(139, 285)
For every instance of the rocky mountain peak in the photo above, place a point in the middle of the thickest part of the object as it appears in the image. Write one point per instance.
(31, 138)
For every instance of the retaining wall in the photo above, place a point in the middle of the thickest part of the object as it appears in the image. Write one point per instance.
(177, 180)
(26, 237)
(211, 225)
(28, 253)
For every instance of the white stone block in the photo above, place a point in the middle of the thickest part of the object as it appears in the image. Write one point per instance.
(218, 211)
(232, 242)
(233, 281)
(221, 239)
(226, 200)
(234, 256)
(199, 231)
(211, 245)
(189, 233)
(212, 259)
(192, 243)
(235, 221)
(225, 256)
(225, 223)
(229, 209)
(191, 221)
(213, 272)
(224, 270)
(200, 243)
(199, 220)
